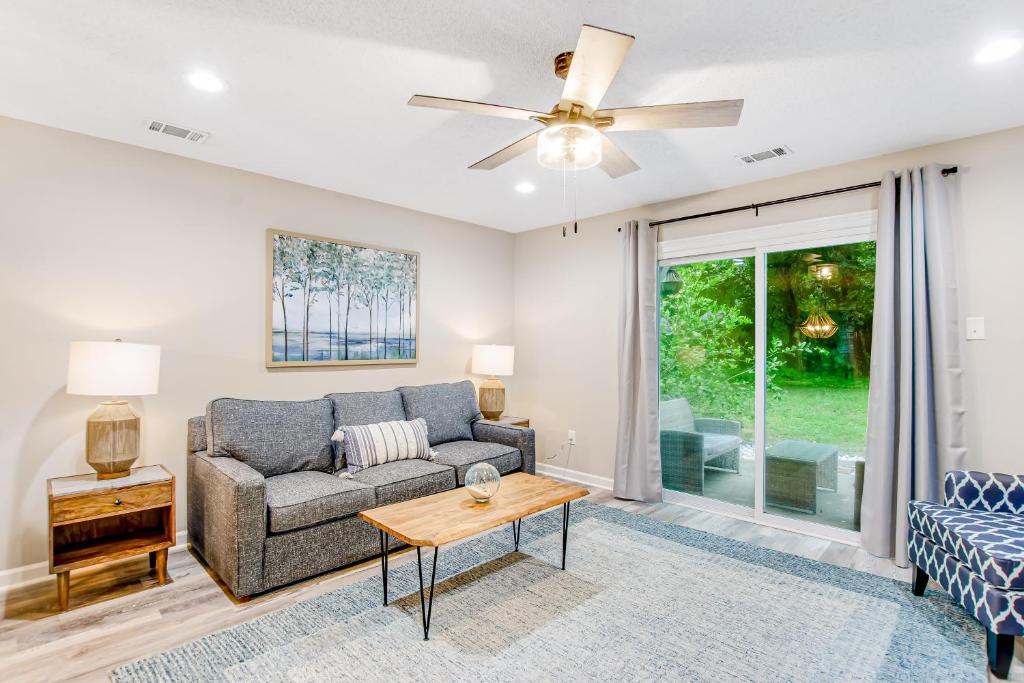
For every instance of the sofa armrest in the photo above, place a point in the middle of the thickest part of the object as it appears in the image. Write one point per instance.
(991, 491)
(522, 438)
(227, 519)
(713, 425)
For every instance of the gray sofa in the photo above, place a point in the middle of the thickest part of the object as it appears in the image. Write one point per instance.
(265, 506)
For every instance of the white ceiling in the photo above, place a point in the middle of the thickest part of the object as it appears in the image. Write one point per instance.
(317, 88)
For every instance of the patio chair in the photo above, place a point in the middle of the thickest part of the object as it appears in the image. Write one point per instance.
(973, 546)
(689, 445)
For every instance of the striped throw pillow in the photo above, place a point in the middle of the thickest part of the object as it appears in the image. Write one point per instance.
(376, 444)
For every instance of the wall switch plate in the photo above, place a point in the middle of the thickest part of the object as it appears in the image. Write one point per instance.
(975, 328)
(572, 437)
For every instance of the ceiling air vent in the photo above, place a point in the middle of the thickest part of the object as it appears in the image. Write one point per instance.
(189, 134)
(774, 152)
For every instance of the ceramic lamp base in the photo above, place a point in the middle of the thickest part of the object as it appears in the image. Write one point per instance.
(113, 475)
(492, 398)
(112, 439)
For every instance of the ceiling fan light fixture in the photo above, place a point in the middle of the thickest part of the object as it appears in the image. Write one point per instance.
(823, 271)
(573, 137)
(569, 146)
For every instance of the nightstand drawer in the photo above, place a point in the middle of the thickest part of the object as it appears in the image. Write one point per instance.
(114, 502)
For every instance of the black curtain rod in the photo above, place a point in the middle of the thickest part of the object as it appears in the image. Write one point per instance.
(756, 207)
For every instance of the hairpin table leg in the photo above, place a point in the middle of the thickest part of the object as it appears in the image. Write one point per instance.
(384, 563)
(427, 606)
(565, 531)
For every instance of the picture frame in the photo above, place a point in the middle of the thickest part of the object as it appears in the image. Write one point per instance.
(334, 302)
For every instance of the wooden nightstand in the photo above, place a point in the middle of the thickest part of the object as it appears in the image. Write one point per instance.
(98, 520)
(514, 421)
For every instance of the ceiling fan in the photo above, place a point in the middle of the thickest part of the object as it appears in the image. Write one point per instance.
(573, 137)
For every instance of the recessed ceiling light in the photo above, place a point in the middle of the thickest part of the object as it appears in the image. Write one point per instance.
(997, 50)
(525, 188)
(205, 81)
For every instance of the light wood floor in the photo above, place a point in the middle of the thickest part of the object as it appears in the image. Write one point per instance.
(118, 613)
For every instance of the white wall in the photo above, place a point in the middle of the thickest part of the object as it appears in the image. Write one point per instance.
(567, 295)
(104, 240)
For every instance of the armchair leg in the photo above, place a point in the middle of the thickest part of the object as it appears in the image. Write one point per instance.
(920, 581)
(1000, 653)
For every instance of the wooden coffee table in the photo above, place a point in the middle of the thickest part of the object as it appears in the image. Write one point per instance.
(450, 516)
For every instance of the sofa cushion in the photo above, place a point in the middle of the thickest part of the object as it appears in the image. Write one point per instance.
(272, 437)
(367, 407)
(406, 479)
(990, 543)
(363, 408)
(381, 442)
(196, 434)
(300, 499)
(449, 409)
(464, 454)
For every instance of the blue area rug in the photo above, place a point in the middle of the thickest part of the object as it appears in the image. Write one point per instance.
(640, 600)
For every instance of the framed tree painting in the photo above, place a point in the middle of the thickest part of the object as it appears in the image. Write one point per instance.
(331, 302)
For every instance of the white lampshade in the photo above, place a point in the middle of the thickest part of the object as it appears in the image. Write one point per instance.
(113, 368)
(492, 359)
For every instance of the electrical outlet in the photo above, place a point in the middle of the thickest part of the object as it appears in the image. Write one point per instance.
(975, 328)
(572, 437)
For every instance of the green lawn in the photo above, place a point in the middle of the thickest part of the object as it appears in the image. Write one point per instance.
(831, 411)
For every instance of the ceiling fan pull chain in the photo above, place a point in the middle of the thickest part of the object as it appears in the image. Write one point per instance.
(565, 204)
(575, 199)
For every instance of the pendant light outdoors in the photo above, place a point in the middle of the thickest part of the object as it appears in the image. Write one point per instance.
(569, 145)
(671, 283)
(819, 326)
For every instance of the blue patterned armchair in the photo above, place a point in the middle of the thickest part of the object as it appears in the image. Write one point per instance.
(973, 546)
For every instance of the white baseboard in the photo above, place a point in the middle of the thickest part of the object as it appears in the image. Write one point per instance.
(25, 574)
(575, 476)
(17, 577)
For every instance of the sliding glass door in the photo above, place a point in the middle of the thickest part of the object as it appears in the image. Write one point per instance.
(707, 378)
(819, 314)
(764, 356)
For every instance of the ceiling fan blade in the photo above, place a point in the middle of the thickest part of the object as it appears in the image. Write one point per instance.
(599, 54)
(471, 107)
(686, 115)
(509, 153)
(614, 161)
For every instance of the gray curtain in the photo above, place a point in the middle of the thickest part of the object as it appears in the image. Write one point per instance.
(637, 449)
(916, 407)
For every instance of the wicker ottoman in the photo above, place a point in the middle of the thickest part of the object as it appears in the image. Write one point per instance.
(795, 470)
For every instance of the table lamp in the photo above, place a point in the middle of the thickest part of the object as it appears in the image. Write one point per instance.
(492, 360)
(113, 369)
